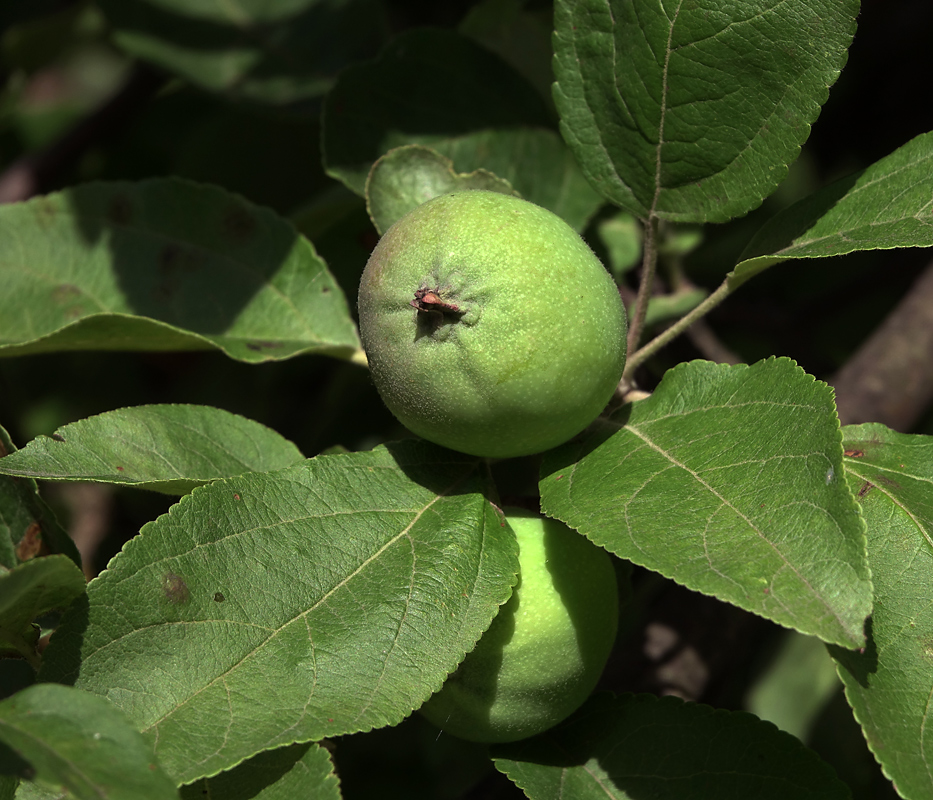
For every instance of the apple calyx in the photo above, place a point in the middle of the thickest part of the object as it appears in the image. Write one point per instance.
(430, 301)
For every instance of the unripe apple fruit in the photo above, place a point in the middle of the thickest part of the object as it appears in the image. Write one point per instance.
(545, 650)
(489, 325)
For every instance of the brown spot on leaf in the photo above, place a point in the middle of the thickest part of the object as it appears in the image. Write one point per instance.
(219, 597)
(175, 589)
(46, 211)
(865, 489)
(926, 644)
(263, 345)
(854, 453)
(65, 293)
(170, 258)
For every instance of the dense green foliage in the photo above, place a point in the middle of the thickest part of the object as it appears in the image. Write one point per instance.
(189, 193)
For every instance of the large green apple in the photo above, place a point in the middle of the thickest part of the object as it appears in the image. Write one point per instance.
(489, 325)
(546, 648)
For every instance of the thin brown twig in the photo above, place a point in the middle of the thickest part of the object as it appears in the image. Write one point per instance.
(889, 379)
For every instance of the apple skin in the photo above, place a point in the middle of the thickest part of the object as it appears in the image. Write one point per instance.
(547, 647)
(489, 325)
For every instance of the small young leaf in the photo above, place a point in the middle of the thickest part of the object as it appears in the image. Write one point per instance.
(622, 237)
(163, 264)
(80, 742)
(31, 589)
(666, 307)
(536, 162)
(728, 480)
(28, 527)
(692, 111)
(296, 771)
(889, 683)
(327, 598)
(165, 448)
(408, 176)
(427, 86)
(888, 205)
(638, 746)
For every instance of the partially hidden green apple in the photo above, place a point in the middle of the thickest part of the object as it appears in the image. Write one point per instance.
(490, 326)
(547, 647)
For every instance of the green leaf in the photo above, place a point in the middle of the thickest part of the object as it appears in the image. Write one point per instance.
(692, 111)
(885, 206)
(8, 784)
(639, 746)
(165, 448)
(80, 742)
(520, 32)
(728, 479)
(331, 597)
(536, 162)
(889, 683)
(427, 86)
(795, 687)
(31, 589)
(27, 790)
(296, 771)
(408, 176)
(243, 12)
(622, 236)
(164, 264)
(28, 527)
(278, 51)
(665, 307)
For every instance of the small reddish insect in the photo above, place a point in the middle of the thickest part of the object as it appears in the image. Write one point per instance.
(429, 300)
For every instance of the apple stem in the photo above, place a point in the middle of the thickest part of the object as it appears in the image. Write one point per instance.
(639, 357)
(649, 266)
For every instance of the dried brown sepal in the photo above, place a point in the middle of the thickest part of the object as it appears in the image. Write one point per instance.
(429, 300)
